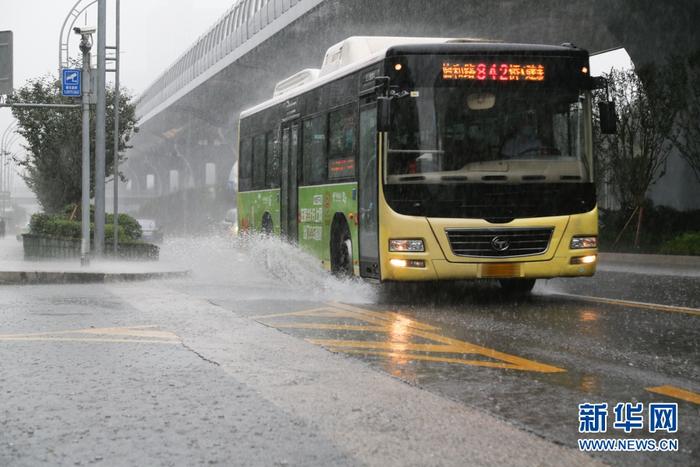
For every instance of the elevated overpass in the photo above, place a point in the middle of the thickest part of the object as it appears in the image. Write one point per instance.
(183, 155)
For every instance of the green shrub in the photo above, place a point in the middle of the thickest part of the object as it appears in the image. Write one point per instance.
(122, 236)
(37, 224)
(684, 244)
(63, 228)
(131, 228)
(72, 209)
(60, 226)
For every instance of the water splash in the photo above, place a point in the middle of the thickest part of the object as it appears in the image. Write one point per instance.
(262, 264)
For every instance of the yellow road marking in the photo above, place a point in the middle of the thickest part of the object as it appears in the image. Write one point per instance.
(400, 328)
(632, 304)
(75, 331)
(87, 339)
(387, 316)
(139, 334)
(402, 346)
(330, 327)
(430, 358)
(458, 346)
(678, 393)
(317, 312)
(133, 332)
(512, 362)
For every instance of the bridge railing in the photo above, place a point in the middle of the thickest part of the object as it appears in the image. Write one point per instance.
(239, 24)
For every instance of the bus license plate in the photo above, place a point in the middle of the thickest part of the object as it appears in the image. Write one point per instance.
(500, 270)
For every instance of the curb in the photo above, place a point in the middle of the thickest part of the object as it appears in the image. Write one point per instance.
(649, 260)
(42, 278)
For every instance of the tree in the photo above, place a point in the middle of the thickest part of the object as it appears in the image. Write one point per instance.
(685, 85)
(634, 158)
(54, 141)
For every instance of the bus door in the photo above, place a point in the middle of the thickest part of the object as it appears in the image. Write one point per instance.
(288, 191)
(368, 187)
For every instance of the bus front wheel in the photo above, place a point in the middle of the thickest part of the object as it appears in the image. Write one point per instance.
(517, 287)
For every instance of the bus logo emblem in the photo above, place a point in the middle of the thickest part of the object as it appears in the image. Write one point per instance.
(500, 244)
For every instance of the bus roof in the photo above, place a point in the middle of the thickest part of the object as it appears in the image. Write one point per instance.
(457, 46)
(355, 53)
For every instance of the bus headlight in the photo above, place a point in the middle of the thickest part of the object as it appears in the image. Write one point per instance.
(583, 259)
(578, 243)
(406, 245)
(407, 263)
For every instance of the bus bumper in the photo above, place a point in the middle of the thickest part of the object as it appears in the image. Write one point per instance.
(440, 269)
(557, 267)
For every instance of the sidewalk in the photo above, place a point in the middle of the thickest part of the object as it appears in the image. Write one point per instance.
(665, 265)
(14, 269)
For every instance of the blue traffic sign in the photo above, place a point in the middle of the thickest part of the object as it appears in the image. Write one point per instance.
(71, 82)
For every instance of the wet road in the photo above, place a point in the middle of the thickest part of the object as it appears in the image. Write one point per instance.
(533, 361)
(622, 336)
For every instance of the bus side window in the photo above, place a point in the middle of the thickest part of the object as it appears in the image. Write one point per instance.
(259, 162)
(314, 150)
(245, 171)
(272, 174)
(341, 143)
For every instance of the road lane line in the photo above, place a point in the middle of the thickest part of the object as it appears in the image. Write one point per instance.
(677, 393)
(632, 304)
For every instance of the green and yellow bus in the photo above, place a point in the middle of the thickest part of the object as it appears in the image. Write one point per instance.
(428, 159)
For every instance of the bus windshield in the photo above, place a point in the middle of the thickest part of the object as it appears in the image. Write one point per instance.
(472, 134)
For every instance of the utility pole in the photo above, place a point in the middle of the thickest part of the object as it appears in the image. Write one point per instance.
(115, 210)
(85, 46)
(100, 143)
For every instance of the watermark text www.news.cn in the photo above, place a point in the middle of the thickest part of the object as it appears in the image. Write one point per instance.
(628, 418)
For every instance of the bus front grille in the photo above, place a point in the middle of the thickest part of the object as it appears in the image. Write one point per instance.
(499, 243)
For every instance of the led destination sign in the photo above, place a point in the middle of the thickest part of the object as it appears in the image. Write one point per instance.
(493, 71)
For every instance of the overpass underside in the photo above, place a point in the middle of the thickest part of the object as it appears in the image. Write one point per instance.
(188, 149)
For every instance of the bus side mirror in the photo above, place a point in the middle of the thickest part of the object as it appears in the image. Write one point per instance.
(608, 118)
(383, 113)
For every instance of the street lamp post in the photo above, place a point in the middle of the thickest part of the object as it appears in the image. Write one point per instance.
(64, 36)
(115, 211)
(85, 46)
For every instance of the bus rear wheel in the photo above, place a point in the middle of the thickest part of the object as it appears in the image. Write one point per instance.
(267, 224)
(517, 287)
(341, 252)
